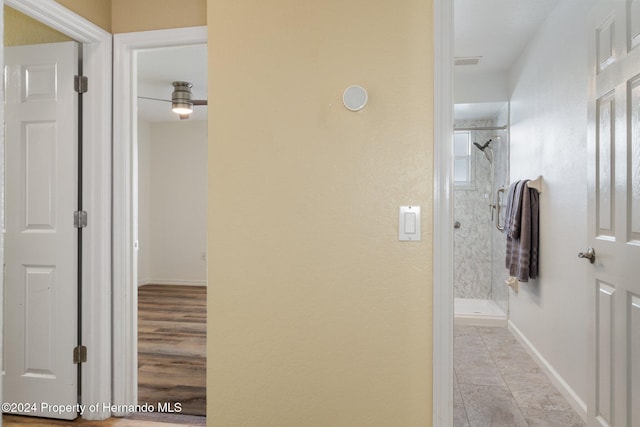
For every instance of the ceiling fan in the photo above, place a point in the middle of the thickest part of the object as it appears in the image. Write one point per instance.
(182, 101)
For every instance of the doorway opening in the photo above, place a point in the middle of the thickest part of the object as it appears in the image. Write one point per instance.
(172, 225)
(159, 238)
(487, 58)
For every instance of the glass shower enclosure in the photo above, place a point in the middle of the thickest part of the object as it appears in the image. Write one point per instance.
(481, 149)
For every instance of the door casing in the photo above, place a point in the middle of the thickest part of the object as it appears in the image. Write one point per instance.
(443, 214)
(96, 379)
(125, 196)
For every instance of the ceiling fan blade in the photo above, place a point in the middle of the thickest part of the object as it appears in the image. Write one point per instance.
(154, 99)
(199, 102)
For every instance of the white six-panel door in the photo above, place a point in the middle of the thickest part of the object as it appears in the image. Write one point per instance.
(614, 213)
(40, 323)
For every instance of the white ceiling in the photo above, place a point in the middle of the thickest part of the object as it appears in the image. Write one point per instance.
(158, 68)
(496, 30)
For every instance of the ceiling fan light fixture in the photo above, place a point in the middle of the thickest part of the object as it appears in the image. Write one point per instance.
(181, 98)
(181, 109)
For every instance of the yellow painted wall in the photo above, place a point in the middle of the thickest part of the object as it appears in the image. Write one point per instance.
(96, 11)
(142, 15)
(20, 30)
(124, 16)
(317, 314)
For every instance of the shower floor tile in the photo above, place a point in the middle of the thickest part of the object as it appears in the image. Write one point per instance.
(497, 383)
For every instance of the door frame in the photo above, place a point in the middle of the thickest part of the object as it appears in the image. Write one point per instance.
(443, 214)
(96, 299)
(125, 196)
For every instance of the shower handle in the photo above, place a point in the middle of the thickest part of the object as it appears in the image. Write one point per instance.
(498, 226)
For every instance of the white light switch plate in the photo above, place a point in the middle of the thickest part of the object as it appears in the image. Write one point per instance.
(409, 224)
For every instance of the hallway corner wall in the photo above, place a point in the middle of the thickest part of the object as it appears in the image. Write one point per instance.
(125, 16)
(146, 15)
(98, 12)
(318, 314)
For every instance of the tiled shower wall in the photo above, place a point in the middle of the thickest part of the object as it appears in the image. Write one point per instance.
(479, 247)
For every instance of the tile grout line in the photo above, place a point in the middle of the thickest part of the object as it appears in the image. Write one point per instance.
(464, 405)
(503, 340)
(503, 377)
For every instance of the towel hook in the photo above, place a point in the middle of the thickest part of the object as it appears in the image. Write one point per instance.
(536, 184)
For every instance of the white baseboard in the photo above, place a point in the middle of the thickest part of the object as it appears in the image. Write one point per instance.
(172, 282)
(574, 400)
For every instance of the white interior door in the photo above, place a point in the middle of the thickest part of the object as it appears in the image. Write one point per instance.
(41, 320)
(614, 213)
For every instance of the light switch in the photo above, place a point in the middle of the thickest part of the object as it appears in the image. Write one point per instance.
(409, 223)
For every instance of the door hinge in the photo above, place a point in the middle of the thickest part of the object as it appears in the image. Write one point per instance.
(80, 354)
(80, 219)
(81, 84)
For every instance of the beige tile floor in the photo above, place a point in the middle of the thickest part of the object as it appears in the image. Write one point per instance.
(497, 383)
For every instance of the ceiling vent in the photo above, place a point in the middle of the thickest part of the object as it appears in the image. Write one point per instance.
(466, 60)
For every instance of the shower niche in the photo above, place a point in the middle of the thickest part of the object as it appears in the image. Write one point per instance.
(481, 150)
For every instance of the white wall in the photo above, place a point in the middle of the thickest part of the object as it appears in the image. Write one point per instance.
(172, 202)
(144, 191)
(549, 138)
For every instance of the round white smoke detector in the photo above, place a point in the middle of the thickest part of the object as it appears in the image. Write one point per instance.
(355, 98)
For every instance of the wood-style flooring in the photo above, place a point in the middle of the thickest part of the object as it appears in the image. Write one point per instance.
(165, 421)
(172, 346)
(171, 360)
